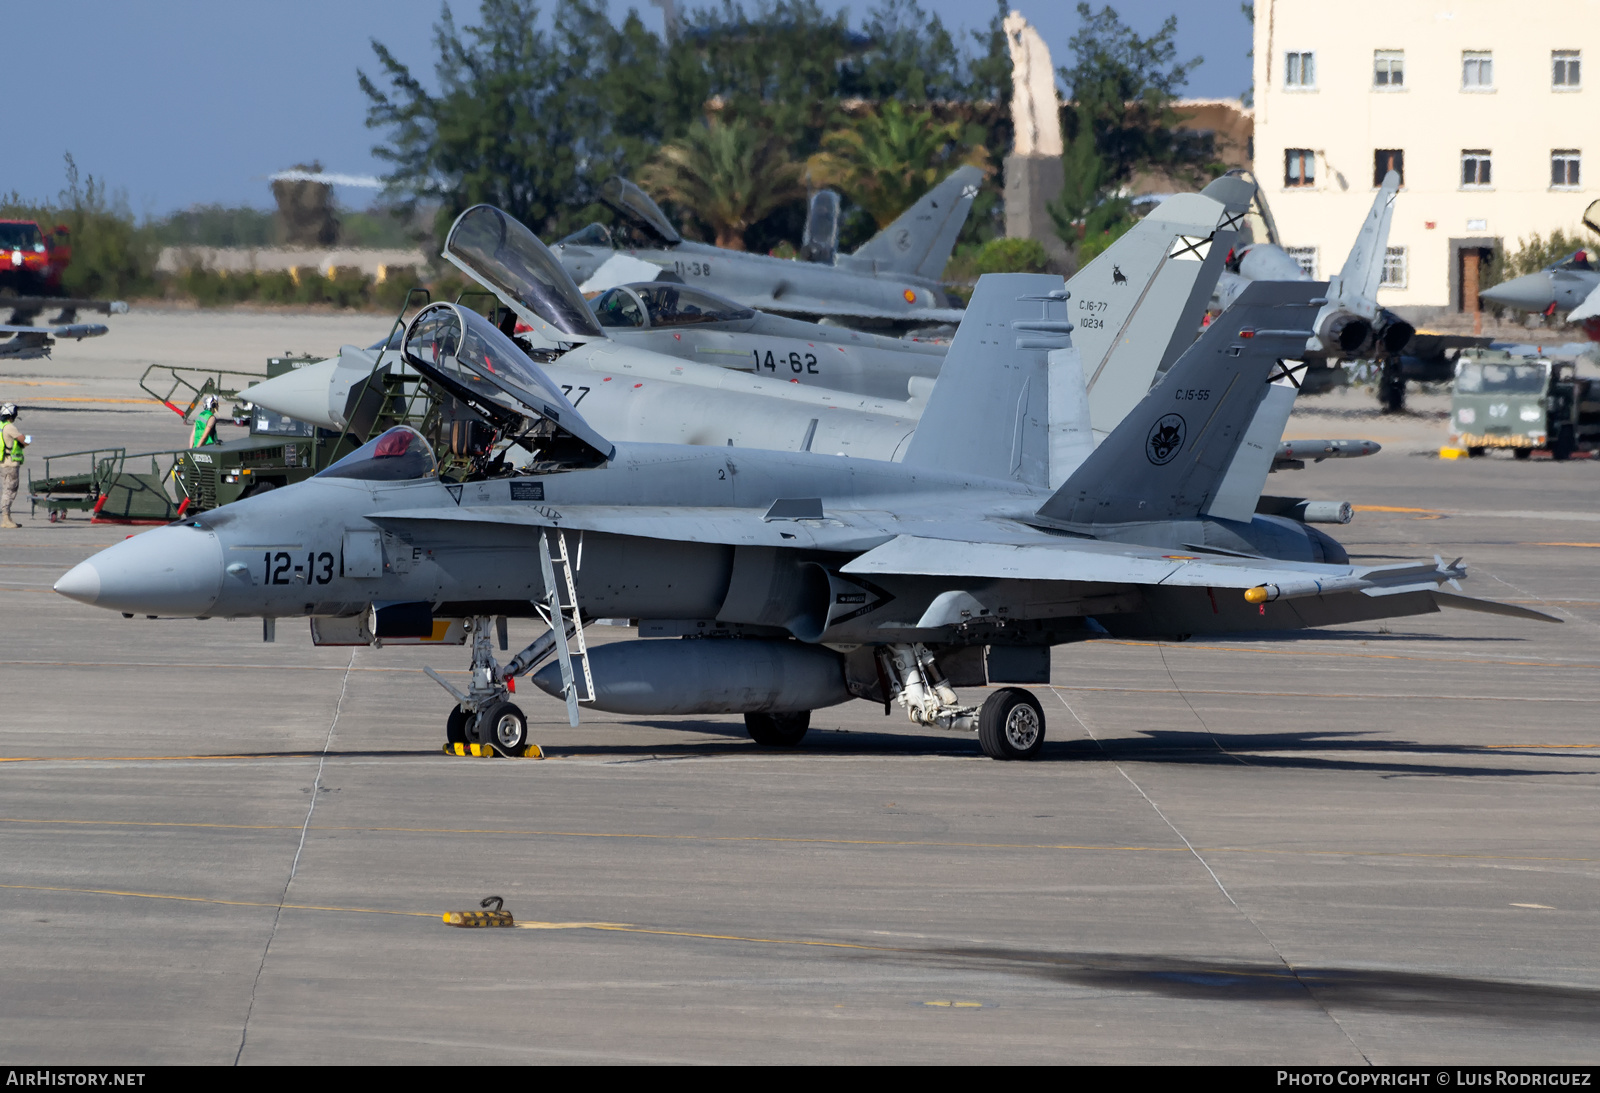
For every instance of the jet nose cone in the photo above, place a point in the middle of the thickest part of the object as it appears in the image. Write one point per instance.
(81, 583)
(1531, 292)
(168, 571)
(305, 394)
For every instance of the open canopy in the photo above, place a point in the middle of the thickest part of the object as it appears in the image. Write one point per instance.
(465, 354)
(501, 254)
(636, 205)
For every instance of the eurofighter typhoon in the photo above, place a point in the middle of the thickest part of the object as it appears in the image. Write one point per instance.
(806, 580)
(893, 279)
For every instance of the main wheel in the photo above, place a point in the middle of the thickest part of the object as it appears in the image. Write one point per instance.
(505, 727)
(455, 726)
(1522, 453)
(1011, 725)
(777, 730)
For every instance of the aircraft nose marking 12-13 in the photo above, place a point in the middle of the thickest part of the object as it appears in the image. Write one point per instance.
(168, 571)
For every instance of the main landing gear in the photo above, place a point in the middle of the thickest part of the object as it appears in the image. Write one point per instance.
(1009, 724)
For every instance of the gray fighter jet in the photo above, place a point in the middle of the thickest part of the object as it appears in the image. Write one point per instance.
(29, 341)
(894, 279)
(803, 580)
(1136, 305)
(1571, 285)
(1352, 324)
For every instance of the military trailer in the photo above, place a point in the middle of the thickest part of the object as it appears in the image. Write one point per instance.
(1526, 404)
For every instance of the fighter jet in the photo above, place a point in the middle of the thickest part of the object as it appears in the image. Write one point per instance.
(30, 341)
(1351, 324)
(804, 580)
(1137, 306)
(894, 279)
(1571, 285)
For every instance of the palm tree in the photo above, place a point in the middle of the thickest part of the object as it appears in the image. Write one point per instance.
(731, 174)
(891, 157)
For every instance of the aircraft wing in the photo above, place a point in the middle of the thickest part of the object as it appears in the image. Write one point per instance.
(1099, 562)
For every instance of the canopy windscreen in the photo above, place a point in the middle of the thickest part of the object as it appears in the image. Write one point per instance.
(510, 261)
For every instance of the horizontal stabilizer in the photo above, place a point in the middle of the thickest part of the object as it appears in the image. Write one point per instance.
(1491, 607)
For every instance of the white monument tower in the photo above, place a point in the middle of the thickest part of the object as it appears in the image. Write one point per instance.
(1033, 170)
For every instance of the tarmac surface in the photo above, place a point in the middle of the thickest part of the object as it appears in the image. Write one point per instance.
(1358, 844)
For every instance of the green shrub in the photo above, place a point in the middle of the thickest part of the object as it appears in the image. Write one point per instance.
(1011, 256)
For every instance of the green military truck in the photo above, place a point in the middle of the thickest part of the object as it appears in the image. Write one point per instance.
(1526, 404)
(157, 487)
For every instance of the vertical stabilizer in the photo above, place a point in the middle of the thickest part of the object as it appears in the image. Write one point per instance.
(989, 411)
(1169, 456)
(919, 242)
(1356, 288)
(1139, 302)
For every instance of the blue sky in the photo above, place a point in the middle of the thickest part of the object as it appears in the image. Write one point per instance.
(185, 102)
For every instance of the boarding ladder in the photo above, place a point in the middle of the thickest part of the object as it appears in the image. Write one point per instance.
(574, 657)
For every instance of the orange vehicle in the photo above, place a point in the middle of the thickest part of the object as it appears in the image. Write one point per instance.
(32, 260)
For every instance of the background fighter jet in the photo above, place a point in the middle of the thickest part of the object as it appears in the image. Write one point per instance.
(1571, 285)
(30, 341)
(1136, 306)
(831, 578)
(893, 279)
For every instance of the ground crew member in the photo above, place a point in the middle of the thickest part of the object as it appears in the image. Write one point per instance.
(205, 423)
(11, 444)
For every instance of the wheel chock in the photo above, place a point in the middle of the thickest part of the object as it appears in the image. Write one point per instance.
(1448, 452)
(489, 751)
(491, 915)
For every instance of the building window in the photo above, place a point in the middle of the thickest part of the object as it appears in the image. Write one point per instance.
(1306, 256)
(1299, 167)
(1564, 70)
(1300, 70)
(1389, 68)
(1394, 268)
(1565, 172)
(1385, 160)
(1477, 71)
(1474, 169)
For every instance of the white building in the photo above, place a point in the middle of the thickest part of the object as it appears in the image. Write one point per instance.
(1484, 106)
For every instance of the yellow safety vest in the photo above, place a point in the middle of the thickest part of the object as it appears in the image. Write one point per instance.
(10, 450)
(201, 421)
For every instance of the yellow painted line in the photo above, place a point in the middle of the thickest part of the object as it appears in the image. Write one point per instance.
(1322, 694)
(954, 1005)
(1542, 745)
(86, 398)
(1183, 646)
(573, 926)
(1535, 906)
(219, 902)
(149, 758)
(38, 383)
(1392, 508)
(806, 840)
(1561, 544)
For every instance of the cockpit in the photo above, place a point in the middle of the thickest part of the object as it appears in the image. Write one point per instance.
(595, 235)
(507, 400)
(1582, 260)
(400, 454)
(663, 304)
